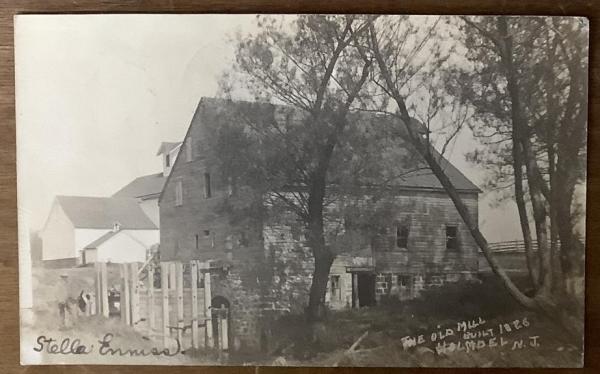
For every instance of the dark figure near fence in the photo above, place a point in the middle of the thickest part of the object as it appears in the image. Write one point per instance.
(114, 302)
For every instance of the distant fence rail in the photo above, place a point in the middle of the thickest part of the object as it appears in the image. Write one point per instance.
(514, 246)
(509, 254)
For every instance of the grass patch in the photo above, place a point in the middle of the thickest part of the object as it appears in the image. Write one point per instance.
(325, 343)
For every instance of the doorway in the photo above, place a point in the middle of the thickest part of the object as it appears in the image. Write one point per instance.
(220, 322)
(366, 289)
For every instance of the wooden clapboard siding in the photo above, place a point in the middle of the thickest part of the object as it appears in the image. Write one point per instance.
(427, 214)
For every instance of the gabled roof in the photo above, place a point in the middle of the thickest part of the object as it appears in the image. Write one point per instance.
(423, 178)
(103, 212)
(100, 240)
(143, 187)
(166, 147)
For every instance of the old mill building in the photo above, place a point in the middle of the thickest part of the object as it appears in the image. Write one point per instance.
(267, 266)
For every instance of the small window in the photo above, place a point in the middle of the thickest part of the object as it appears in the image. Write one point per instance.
(295, 229)
(243, 239)
(404, 280)
(335, 287)
(188, 150)
(452, 238)
(207, 233)
(168, 160)
(179, 193)
(349, 223)
(402, 236)
(197, 242)
(207, 187)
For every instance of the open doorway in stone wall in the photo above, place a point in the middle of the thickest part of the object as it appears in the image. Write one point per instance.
(221, 322)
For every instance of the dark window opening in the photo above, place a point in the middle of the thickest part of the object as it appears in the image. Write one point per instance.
(295, 229)
(365, 292)
(206, 233)
(336, 292)
(402, 236)
(243, 239)
(349, 223)
(403, 281)
(168, 160)
(452, 238)
(207, 189)
(197, 241)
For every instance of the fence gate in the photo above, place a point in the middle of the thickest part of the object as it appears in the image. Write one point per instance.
(166, 301)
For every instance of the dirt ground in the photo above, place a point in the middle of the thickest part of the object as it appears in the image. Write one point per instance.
(384, 345)
(51, 286)
(406, 334)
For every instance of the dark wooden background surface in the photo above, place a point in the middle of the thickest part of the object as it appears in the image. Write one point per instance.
(9, 312)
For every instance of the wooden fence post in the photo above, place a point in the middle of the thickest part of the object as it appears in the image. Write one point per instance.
(125, 299)
(172, 276)
(134, 293)
(355, 290)
(164, 284)
(104, 289)
(194, 273)
(179, 293)
(150, 298)
(224, 332)
(98, 295)
(207, 311)
(93, 306)
(219, 342)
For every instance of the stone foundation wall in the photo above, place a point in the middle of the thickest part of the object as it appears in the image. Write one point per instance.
(389, 285)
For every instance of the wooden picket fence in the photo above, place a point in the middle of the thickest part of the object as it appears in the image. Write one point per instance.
(178, 307)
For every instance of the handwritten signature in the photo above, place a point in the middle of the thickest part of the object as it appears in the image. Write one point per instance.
(74, 346)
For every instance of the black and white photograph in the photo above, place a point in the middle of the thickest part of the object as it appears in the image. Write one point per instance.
(302, 189)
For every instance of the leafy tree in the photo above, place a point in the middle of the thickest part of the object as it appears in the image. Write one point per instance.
(323, 153)
(529, 92)
(507, 112)
(314, 65)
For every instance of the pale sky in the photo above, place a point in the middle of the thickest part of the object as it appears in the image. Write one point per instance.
(97, 94)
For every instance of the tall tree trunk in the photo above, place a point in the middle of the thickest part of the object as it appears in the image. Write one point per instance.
(323, 259)
(559, 279)
(534, 178)
(316, 241)
(316, 302)
(523, 217)
(425, 150)
(572, 132)
(322, 254)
